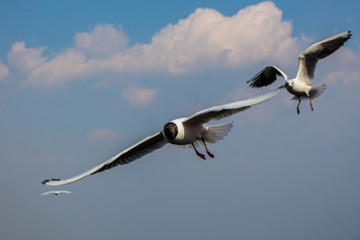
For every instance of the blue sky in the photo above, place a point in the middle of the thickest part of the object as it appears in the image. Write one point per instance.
(81, 81)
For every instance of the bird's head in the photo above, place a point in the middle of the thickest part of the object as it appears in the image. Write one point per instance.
(171, 130)
(289, 83)
(174, 131)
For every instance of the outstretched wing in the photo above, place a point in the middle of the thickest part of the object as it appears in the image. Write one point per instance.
(134, 152)
(266, 77)
(47, 193)
(65, 191)
(308, 58)
(222, 111)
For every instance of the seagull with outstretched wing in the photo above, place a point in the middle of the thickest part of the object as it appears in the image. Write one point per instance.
(55, 192)
(182, 131)
(299, 86)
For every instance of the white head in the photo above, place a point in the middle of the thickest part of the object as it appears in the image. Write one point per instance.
(289, 83)
(174, 130)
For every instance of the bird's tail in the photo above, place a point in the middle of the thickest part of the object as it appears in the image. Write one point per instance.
(215, 133)
(317, 90)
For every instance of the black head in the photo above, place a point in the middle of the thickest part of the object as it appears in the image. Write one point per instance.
(170, 130)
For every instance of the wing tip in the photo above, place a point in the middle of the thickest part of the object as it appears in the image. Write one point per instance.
(46, 181)
(349, 34)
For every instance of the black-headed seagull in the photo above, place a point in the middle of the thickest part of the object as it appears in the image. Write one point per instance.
(55, 192)
(299, 86)
(182, 131)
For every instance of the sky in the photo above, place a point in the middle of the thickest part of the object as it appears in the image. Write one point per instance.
(82, 80)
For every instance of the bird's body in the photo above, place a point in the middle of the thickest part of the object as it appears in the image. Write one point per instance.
(182, 131)
(300, 85)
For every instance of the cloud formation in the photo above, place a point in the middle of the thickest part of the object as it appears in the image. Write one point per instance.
(25, 60)
(206, 39)
(4, 71)
(138, 96)
(103, 41)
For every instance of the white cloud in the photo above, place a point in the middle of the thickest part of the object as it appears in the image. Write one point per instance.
(204, 40)
(25, 59)
(137, 96)
(208, 39)
(103, 41)
(4, 71)
(101, 135)
(65, 67)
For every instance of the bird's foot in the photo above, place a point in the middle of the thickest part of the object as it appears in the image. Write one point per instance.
(201, 155)
(207, 150)
(298, 110)
(210, 154)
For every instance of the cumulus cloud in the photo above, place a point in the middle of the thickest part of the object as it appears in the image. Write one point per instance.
(25, 59)
(4, 71)
(206, 39)
(138, 96)
(103, 41)
(65, 67)
(101, 135)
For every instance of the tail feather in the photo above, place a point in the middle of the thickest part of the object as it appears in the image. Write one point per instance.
(315, 92)
(215, 133)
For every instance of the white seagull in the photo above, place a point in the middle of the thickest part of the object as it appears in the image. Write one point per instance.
(181, 131)
(55, 192)
(299, 86)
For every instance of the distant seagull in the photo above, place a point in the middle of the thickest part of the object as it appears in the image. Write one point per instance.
(55, 192)
(181, 131)
(299, 86)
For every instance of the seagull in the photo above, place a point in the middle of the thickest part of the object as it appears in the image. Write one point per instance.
(182, 131)
(299, 86)
(55, 192)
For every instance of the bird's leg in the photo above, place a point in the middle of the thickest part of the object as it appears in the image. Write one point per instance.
(207, 151)
(197, 153)
(297, 108)
(311, 106)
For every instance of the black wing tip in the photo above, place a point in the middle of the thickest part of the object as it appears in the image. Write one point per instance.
(253, 82)
(254, 85)
(349, 34)
(260, 80)
(50, 180)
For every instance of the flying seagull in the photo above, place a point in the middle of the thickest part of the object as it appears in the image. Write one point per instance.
(182, 131)
(299, 86)
(55, 192)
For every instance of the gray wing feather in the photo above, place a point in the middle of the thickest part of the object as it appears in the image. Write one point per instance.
(222, 111)
(136, 151)
(309, 58)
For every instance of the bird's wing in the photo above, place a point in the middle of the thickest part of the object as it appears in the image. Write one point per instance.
(266, 77)
(222, 111)
(64, 191)
(46, 193)
(134, 152)
(319, 50)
